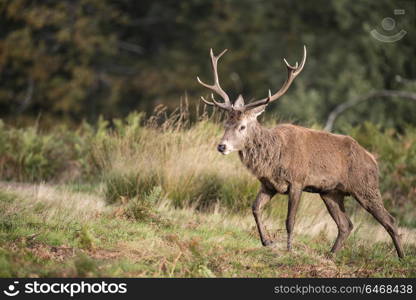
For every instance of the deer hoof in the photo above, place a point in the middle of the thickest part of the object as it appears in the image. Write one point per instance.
(268, 243)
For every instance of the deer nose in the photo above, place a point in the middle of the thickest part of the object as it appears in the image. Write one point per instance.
(221, 148)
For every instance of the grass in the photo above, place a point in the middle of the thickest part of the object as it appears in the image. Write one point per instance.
(133, 155)
(60, 231)
(134, 159)
(151, 197)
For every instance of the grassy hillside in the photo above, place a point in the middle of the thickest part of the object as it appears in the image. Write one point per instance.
(59, 231)
(151, 197)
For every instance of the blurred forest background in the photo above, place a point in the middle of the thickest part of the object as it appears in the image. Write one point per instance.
(78, 59)
(108, 161)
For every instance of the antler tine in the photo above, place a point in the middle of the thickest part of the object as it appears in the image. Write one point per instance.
(214, 102)
(292, 72)
(207, 102)
(216, 87)
(302, 64)
(259, 102)
(289, 65)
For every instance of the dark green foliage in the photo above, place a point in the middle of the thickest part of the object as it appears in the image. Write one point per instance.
(143, 208)
(396, 154)
(209, 190)
(32, 155)
(128, 186)
(67, 60)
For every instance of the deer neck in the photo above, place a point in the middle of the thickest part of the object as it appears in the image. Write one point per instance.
(261, 151)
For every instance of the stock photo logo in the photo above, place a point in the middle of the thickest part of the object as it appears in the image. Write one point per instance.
(65, 288)
(389, 26)
(11, 290)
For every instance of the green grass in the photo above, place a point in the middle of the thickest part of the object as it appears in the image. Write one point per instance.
(151, 197)
(135, 155)
(40, 236)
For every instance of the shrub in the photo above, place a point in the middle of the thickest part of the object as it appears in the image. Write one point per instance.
(143, 208)
(134, 155)
(130, 185)
(396, 155)
(27, 154)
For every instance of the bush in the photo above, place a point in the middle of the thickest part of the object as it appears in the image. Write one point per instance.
(31, 155)
(143, 208)
(396, 155)
(134, 156)
(128, 186)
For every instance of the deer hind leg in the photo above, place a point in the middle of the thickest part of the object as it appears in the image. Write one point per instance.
(374, 205)
(334, 202)
(263, 197)
(295, 193)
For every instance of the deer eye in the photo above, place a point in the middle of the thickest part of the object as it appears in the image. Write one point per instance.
(242, 127)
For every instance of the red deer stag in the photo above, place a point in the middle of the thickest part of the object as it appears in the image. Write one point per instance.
(290, 159)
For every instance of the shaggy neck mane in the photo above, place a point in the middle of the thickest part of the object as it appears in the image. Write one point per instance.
(261, 151)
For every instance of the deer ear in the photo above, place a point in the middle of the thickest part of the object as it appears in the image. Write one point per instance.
(239, 102)
(257, 111)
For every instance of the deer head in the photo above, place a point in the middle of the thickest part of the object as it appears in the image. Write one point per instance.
(242, 118)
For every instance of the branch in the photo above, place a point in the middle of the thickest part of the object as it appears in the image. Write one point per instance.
(130, 47)
(28, 96)
(350, 103)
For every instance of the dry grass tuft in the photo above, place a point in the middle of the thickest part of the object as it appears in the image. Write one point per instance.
(54, 203)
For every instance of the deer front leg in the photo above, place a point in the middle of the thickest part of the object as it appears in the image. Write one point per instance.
(294, 198)
(263, 197)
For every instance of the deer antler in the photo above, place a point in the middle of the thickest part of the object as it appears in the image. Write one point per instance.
(216, 86)
(292, 72)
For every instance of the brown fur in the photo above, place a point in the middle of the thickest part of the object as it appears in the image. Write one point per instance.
(290, 159)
